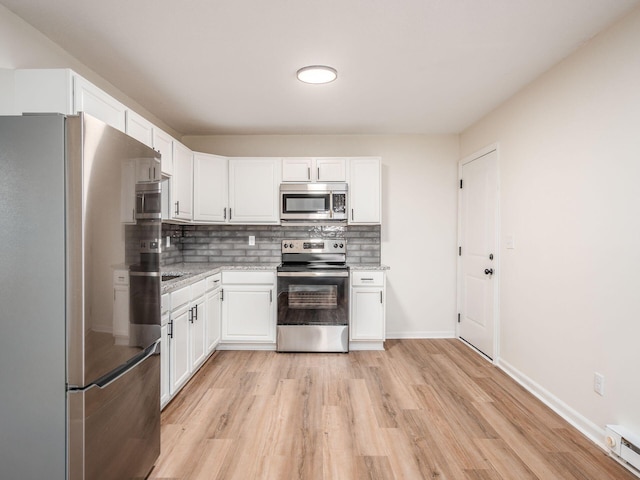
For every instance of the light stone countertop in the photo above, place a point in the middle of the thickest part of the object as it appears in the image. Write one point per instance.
(194, 272)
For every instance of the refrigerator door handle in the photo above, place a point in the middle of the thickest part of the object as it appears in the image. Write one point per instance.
(122, 370)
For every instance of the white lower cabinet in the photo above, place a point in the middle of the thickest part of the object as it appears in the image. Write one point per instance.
(165, 390)
(367, 328)
(213, 311)
(197, 322)
(184, 338)
(248, 309)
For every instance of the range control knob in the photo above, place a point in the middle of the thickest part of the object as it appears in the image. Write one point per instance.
(291, 245)
(335, 245)
(285, 245)
(342, 245)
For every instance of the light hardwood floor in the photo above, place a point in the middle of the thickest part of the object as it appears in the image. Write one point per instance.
(422, 409)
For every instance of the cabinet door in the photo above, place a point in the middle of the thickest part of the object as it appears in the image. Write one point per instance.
(90, 99)
(364, 191)
(297, 169)
(182, 182)
(331, 169)
(148, 170)
(139, 128)
(210, 192)
(367, 314)
(253, 190)
(213, 312)
(179, 350)
(165, 355)
(163, 143)
(197, 333)
(248, 314)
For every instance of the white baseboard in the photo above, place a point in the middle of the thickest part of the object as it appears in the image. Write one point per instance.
(247, 346)
(364, 345)
(587, 427)
(431, 334)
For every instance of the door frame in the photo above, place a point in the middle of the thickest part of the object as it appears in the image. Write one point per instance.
(496, 277)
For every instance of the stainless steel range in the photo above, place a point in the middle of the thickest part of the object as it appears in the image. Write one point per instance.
(313, 296)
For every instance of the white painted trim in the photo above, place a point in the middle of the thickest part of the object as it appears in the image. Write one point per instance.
(417, 335)
(496, 291)
(247, 346)
(373, 345)
(592, 431)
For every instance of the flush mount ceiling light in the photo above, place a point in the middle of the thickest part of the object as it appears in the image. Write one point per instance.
(317, 74)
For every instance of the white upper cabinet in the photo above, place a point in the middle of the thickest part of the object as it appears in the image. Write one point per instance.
(253, 190)
(310, 169)
(210, 192)
(163, 142)
(90, 99)
(182, 187)
(61, 90)
(139, 128)
(365, 190)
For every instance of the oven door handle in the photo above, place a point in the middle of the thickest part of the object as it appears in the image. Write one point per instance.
(313, 274)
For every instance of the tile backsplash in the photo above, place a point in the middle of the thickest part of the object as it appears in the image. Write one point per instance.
(229, 244)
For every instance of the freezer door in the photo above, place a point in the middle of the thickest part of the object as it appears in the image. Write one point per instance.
(117, 427)
(100, 186)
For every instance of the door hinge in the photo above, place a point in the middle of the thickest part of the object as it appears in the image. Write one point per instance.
(460, 183)
(458, 318)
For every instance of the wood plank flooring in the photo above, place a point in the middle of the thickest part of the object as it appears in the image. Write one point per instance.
(422, 409)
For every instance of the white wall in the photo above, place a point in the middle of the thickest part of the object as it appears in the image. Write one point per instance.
(419, 214)
(570, 164)
(22, 46)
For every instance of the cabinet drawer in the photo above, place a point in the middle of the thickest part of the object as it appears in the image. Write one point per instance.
(367, 278)
(213, 281)
(197, 289)
(121, 277)
(250, 278)
(180, 297)
(165, 303)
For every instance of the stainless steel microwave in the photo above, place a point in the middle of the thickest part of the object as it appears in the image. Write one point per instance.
(313, 202)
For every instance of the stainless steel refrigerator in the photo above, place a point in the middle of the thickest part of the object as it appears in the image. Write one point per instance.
(79, 300)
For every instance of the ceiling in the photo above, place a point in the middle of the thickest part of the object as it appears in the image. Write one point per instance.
(404, 66)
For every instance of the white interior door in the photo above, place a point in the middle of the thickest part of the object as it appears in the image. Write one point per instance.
(478, 251)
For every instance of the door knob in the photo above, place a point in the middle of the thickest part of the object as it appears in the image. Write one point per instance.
(488, 271)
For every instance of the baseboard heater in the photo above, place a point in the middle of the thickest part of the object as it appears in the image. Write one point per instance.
(624, 446)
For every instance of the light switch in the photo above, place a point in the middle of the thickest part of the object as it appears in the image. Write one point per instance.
(252, 239)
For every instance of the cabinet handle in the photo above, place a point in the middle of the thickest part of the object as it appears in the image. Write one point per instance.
(196, 310)
(270, 296)
(318, 173)
(225, 213)
(222, 294)
(150, 173)
(170, 333)
(352, 214)
(191, 315)
(178, 207)
(308, 173)
(367, 279)
(380, 296)
(133, 213)
(229, 213)
(154, 173)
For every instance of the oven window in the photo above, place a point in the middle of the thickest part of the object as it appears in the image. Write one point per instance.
(313, 296)
(304, 203)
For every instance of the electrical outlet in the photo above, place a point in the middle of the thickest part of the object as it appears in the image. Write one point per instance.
(598, 383)
(168, 242)
(252, 239)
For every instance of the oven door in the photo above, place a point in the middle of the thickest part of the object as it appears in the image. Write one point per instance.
(313, 311)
